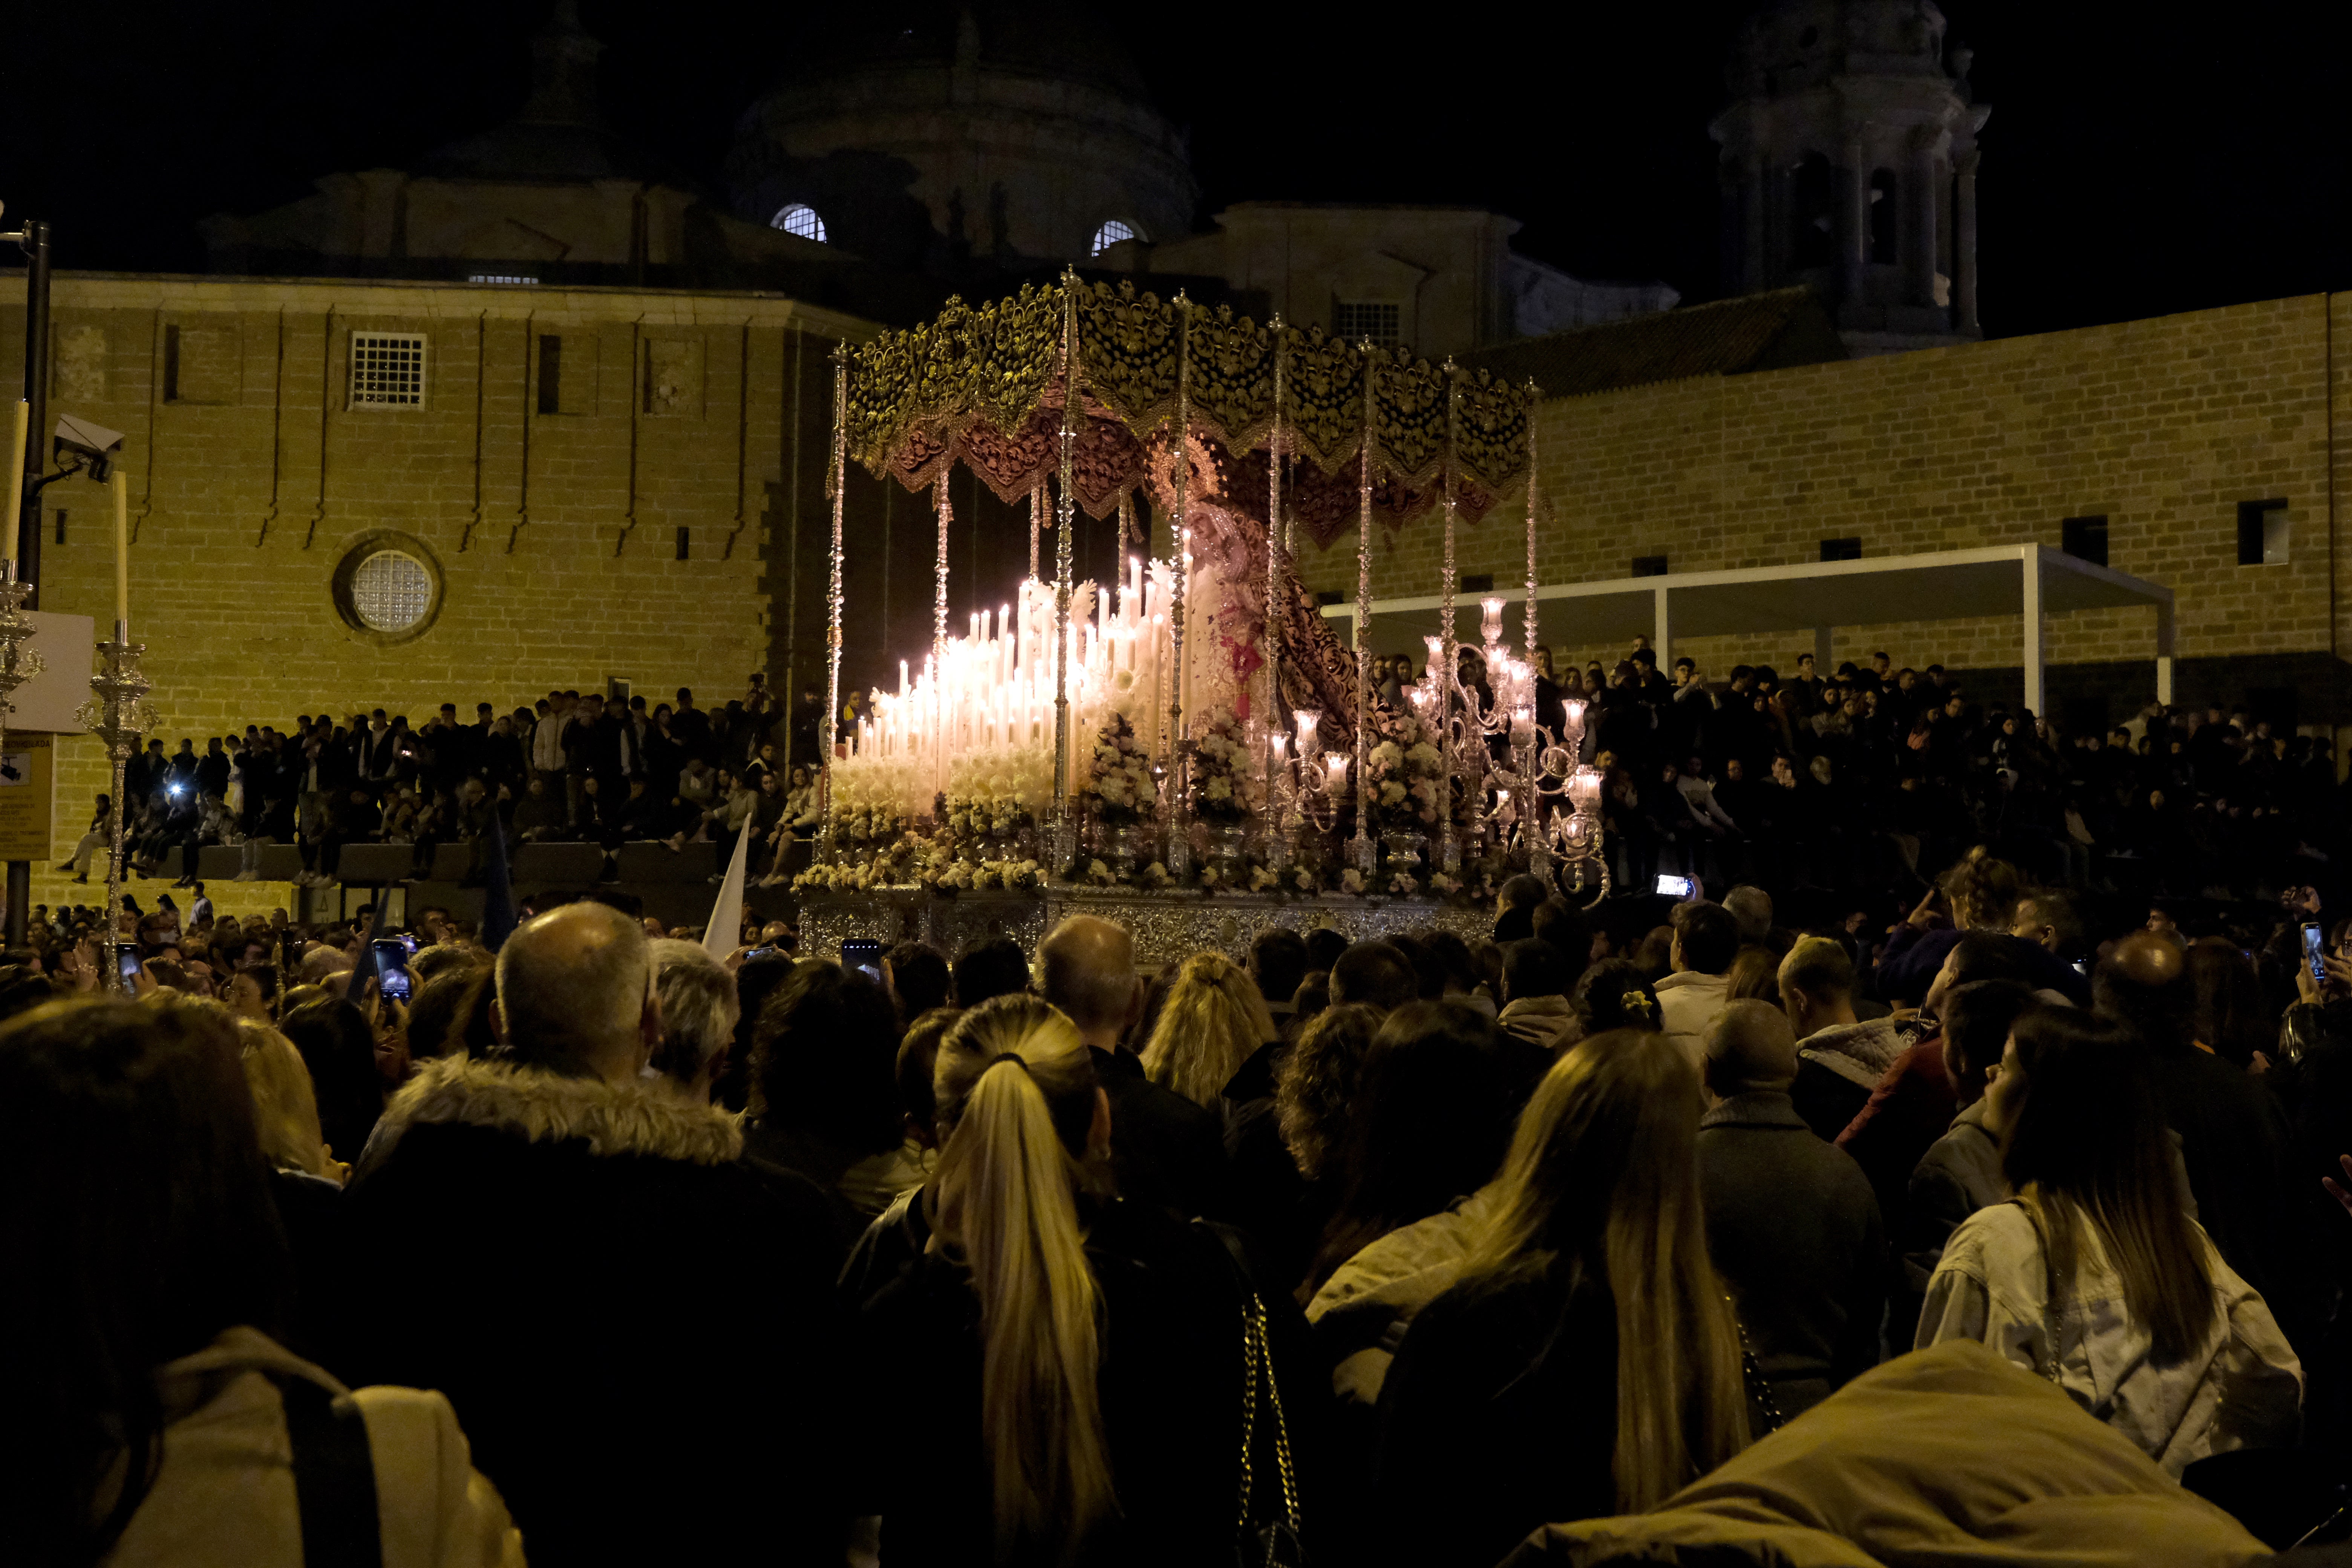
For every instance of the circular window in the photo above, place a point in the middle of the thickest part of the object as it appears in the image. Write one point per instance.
(392, 591)
(387, 587)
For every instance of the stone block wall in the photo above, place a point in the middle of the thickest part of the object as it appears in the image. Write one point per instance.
(555, 535)
(2163, 426)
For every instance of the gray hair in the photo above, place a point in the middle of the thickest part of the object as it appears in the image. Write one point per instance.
(573, 984)
(1089, 966)
(1752, 907)
(698, 1007)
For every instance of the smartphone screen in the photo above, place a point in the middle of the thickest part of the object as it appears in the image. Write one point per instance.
(864, 954)
(1674, 887)
(2315, 952)
(392, 979)
(126, 961)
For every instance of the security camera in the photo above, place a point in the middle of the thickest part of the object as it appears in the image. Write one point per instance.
(87, 445)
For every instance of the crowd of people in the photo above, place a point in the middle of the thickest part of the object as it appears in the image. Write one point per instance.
(572, 767)
(1850, 780)
(1416, 1250)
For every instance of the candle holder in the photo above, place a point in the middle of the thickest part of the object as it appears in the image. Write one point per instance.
(18, 663)
(121, 721)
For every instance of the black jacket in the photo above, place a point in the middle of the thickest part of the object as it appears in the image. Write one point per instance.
(1165, 1150)
(643, 1349)
(1498, 1415)
(1170, 1388)
(1794, 1227)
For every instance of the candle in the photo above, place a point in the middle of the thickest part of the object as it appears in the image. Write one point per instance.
(16, 485)
(121, 549)
(1491, 628)
(1336, 762)
(1305, 718)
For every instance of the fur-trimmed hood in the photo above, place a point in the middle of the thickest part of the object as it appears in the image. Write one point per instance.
(543, 1107)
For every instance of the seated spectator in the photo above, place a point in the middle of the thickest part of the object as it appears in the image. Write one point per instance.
(1170, 1152)
(1088, 1344)
(2094, 1276)
(149, 1415)
(1535, 1000)
(1791, 1224)
(531, 1221)
(1588, 1363)
(1705, 940)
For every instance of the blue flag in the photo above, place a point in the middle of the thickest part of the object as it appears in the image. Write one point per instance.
(498, 890)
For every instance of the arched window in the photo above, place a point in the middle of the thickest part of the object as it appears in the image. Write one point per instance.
(1883, 215)
(1111, 233)
(1812, 214)
(800, 219)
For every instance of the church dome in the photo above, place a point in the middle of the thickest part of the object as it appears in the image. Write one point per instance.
(931, 135)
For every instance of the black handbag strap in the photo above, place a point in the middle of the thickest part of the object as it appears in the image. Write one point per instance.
(334, 1478)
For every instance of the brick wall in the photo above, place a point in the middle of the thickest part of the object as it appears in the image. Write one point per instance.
(2163, 426)
(555, 534)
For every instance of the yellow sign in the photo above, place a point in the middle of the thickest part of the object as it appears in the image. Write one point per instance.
(28, 795)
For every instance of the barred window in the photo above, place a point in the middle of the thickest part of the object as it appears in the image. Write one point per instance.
(387, 370)
(799, 218)
(1114, 231)
(392, 591)
(1355, 319)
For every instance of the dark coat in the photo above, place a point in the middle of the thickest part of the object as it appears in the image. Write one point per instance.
(1499, 1414)
(642, 1347)
(1169, 1387)
(1165, 1150)
(1793, 1228)
(1282, 1215)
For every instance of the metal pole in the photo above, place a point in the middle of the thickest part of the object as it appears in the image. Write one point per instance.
(36, 241)
(838, 464)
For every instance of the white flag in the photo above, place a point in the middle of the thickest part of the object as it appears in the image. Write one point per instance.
(724, 934)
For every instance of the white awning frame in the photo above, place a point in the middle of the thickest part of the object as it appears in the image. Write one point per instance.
(2029, 580)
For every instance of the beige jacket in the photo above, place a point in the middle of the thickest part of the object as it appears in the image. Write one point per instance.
(1691, 1002)
(2241, 1387)
(223, 1497)
(1361, 1313)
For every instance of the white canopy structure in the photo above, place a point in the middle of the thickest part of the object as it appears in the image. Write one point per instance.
(2030, 580)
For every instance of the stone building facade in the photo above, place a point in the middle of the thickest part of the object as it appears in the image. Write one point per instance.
(2192, 441)
(597, 484)
(1434, 281)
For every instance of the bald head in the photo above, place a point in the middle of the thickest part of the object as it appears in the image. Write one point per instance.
(1752, 1048)
(1089, 973)
(576, 992)
(2144, 982)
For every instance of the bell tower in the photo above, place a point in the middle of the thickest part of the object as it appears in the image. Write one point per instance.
(1849, 164)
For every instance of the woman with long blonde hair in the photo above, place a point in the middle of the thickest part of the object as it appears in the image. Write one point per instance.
(1074, 1359)
(1587, 1362)
(1212, 1021)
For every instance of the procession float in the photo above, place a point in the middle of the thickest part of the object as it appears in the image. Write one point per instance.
(1189, 749)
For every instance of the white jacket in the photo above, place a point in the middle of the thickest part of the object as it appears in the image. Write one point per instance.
(2241, 1387)
(1691, 1002)
(224, 1493)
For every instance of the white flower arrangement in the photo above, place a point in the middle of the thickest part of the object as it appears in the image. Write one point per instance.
(1120, 778)
(1220, 756)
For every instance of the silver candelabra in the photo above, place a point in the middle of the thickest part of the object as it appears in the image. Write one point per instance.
(120, 720)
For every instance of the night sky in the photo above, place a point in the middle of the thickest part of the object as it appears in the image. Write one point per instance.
(2131, 167)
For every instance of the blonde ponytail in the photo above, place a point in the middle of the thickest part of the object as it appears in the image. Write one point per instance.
(1016, 1089)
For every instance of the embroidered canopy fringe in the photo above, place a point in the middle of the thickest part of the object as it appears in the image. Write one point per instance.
(983, 385)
